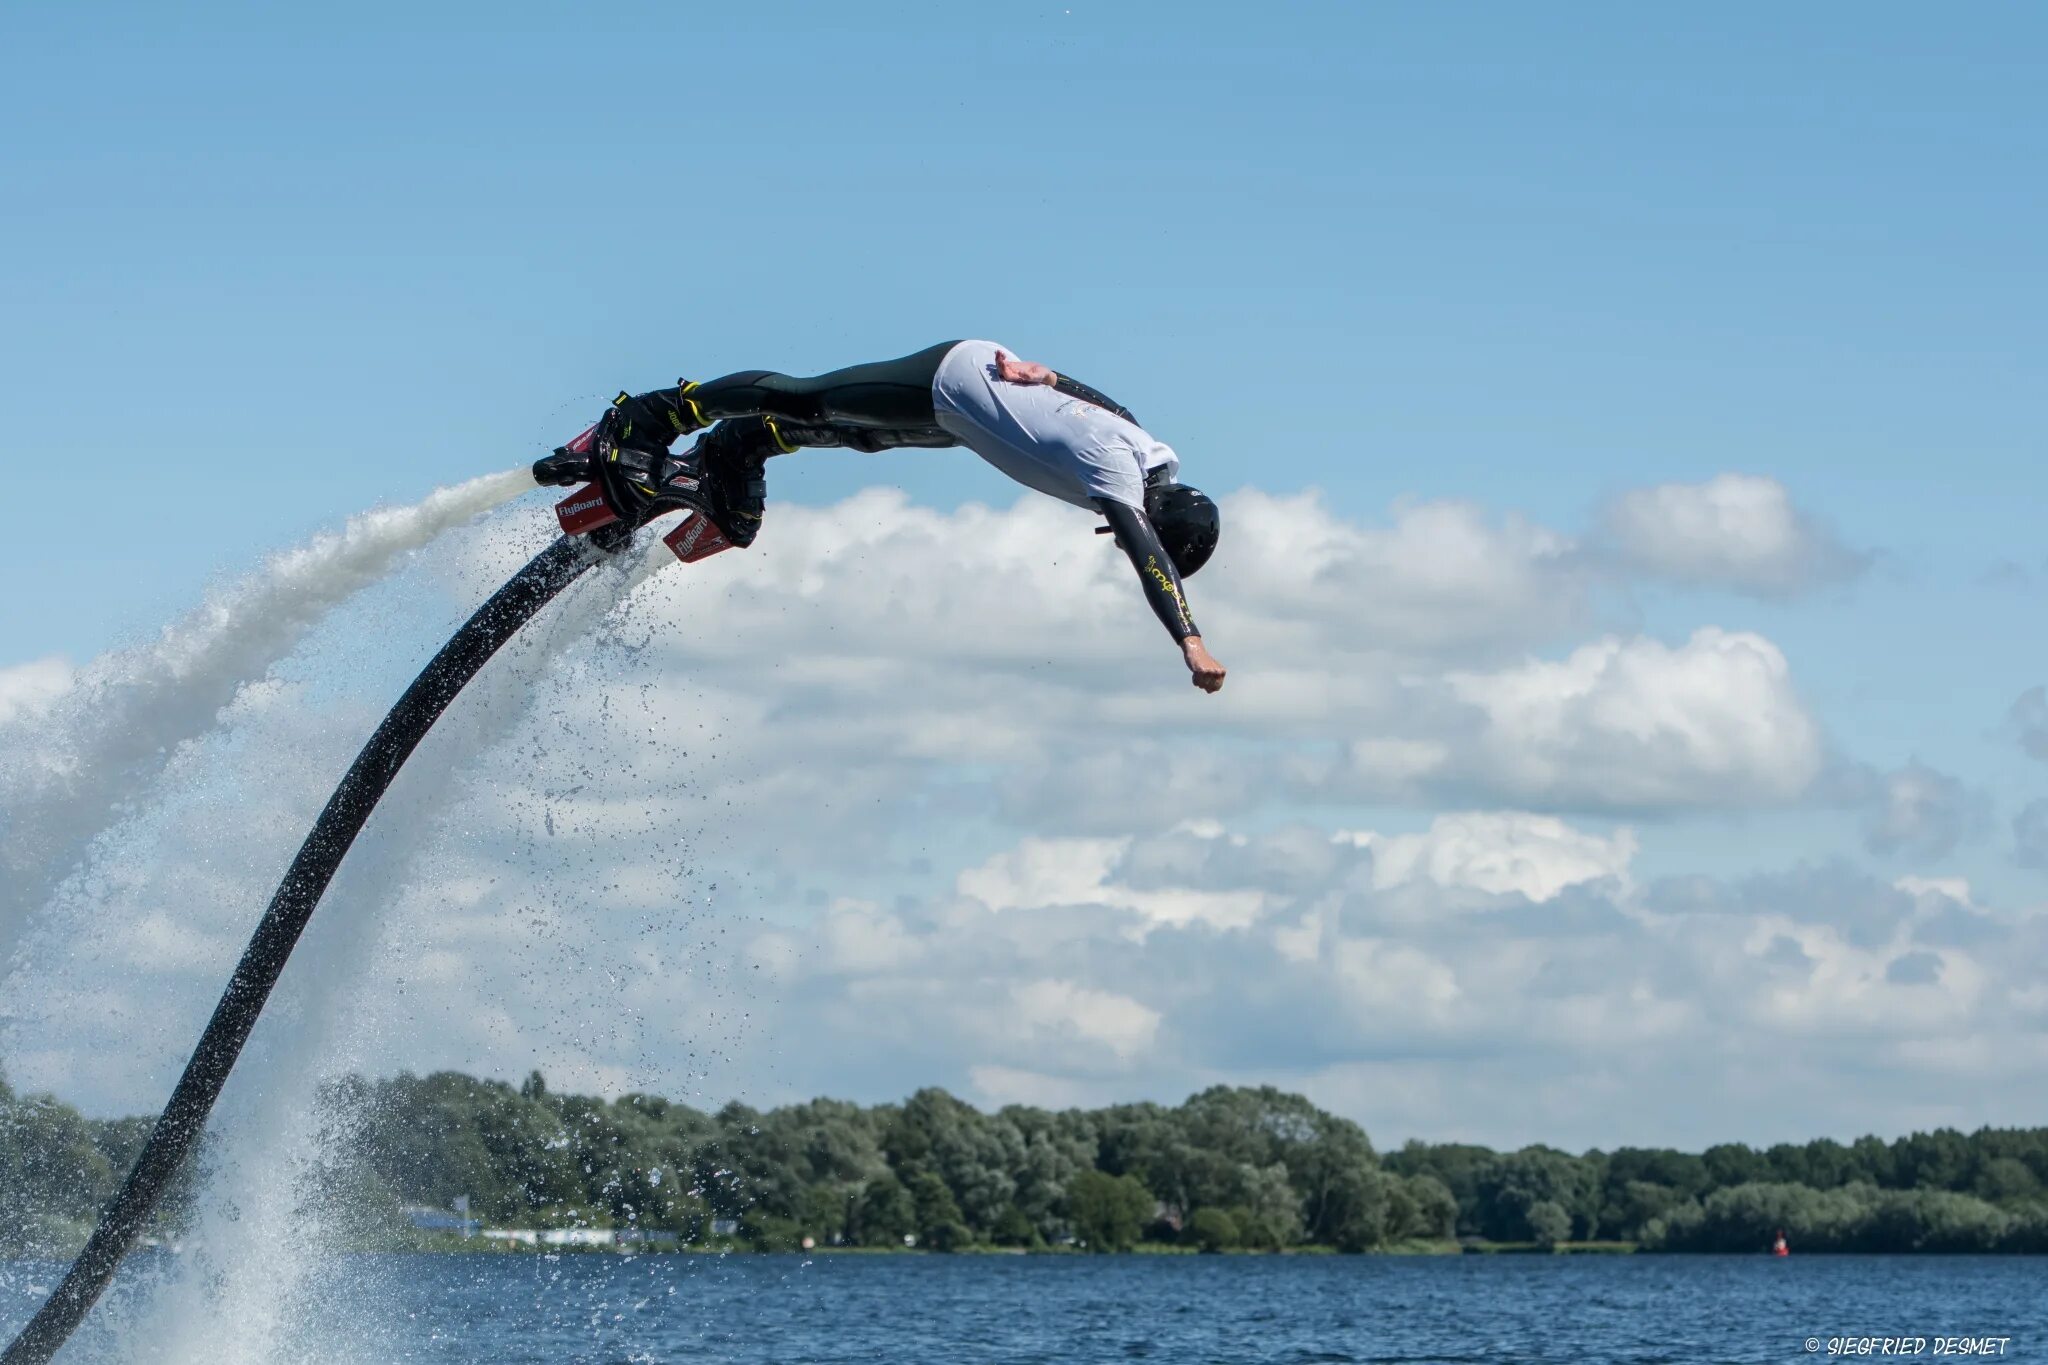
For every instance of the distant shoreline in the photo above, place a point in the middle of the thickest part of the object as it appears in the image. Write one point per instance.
(1252, 1170)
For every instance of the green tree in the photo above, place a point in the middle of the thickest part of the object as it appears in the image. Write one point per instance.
(822, 1213)
(939, 1223)
(1679, 1171)
(1254, 1233)
(49, 1163)
(1786, 1164)
(1272, 1199)
(1436, 1211)
(1829, 1163)
(887, 1213)
(1457, 1166)
(2007, 1180)
(1211, 1230)
(2028, 1146)
(1515, 1183)
(1635, 1206)
(1935, 1220)
(1359, 1207)
(1940, 1160)
(1873, 1161)
(2028, 1231)
(1262, 1146)
(1108, 1211)
(971, 1152)
(1548, 1222)
(1057, 1147)
(1014, 1228)
(1732, 1163)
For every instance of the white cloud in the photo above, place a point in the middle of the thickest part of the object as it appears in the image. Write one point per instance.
(1738, 531)
(1383, 978)
(26, 690)
(906, 798)
(2027, 722)
(1919, 811)
(1499, 852)
(1444, 577)
(1042, 872)
(1851, 986)
(1936, 891)
(1048, 873)
(1117, 1022)
(886, 639)
(1623, 723)
(860, 938)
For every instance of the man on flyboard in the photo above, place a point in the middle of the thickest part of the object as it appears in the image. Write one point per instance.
(1043, 429)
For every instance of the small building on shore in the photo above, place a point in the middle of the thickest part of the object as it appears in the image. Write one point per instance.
(441, 1220)
(609, 1239)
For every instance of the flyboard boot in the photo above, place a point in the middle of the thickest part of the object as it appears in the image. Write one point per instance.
(630, 479)
(647, 421)
(732, 456)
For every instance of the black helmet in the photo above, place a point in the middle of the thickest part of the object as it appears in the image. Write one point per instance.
(1187, 523)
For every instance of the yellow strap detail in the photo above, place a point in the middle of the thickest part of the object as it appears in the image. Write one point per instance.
(776, 432)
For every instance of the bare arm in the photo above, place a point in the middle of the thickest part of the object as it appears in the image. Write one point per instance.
(1014, 371)
(1163, 590)
(1011, 370)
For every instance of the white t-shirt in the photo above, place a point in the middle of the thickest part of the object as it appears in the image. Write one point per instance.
(1040, 437)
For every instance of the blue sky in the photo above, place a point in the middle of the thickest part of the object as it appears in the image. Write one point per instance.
(1497, 253)
(276, 267)
(268, 266)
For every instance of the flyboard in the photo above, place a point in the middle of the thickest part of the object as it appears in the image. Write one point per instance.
(597, 520)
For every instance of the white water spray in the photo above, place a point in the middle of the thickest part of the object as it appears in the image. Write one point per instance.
(69, 768)
(262, 1280)
(260, 1277)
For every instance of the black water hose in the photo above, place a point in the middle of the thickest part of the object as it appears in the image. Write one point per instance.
(511, 607)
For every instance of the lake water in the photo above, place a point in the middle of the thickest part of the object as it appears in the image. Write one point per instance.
(783, 1309)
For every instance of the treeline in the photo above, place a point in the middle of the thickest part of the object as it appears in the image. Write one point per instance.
(1938, 1191)
(57, 1167)
(1230, 1168)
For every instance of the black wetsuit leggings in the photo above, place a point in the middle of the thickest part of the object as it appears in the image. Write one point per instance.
(889, 403)
(889, 394)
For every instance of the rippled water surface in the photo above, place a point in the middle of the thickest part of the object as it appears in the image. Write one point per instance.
(1180, 1309)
